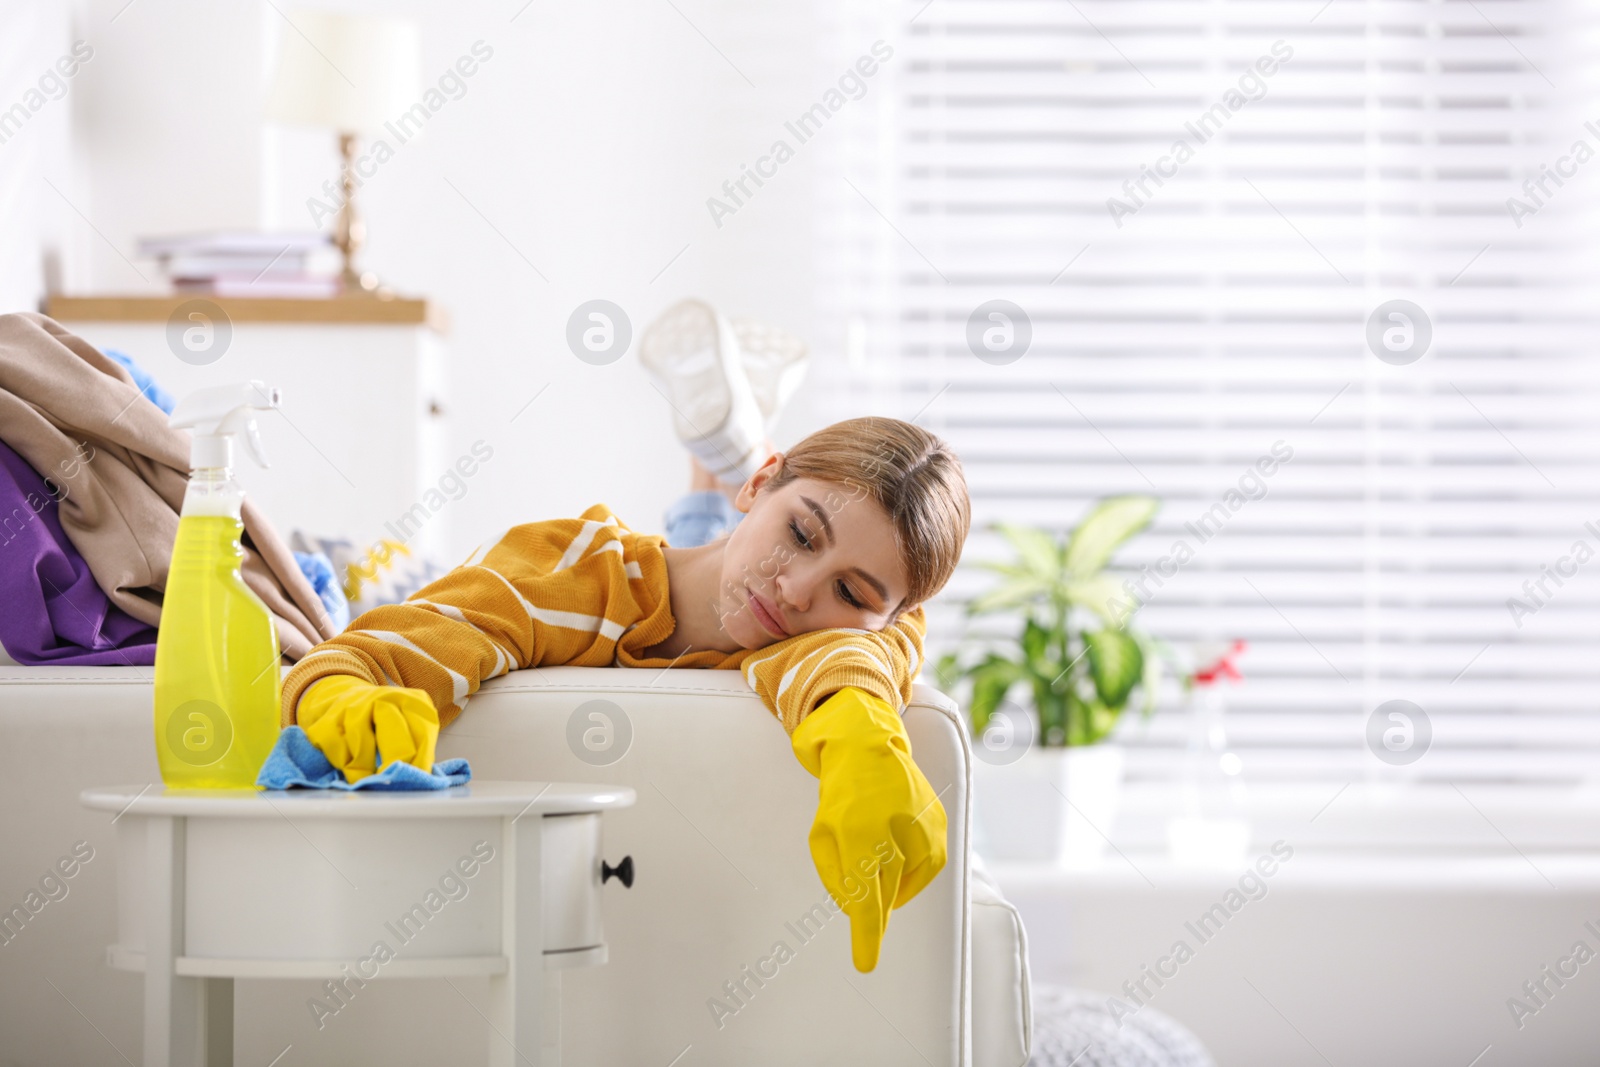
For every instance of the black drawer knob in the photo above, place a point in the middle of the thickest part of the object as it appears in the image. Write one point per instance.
(622, 871)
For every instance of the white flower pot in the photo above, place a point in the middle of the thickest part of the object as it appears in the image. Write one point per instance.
(1050, 805)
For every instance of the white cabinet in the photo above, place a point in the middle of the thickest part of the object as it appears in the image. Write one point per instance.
(360, 440)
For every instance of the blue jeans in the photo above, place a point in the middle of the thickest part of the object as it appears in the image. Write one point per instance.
(699, 518)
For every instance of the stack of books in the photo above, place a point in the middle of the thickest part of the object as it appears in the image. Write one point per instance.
(248, 264)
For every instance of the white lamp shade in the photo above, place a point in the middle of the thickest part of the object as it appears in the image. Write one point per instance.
(352, 73)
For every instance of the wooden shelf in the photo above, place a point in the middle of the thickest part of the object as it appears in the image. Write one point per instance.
(401, 311)
(123, 958)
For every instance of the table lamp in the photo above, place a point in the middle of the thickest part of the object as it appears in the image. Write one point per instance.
(351, 74)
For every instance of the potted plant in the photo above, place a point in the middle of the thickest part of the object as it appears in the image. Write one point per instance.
(1046, 781)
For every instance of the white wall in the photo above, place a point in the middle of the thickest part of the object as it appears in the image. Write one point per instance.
(38, 230)
(590, 140)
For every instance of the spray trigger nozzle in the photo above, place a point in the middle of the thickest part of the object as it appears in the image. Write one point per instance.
(217, 413)
(253, 436)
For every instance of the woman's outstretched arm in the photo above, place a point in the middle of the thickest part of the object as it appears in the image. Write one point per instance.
(795, 675)
(542, 593)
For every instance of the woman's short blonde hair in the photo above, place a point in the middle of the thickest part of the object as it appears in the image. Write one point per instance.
(912, 474)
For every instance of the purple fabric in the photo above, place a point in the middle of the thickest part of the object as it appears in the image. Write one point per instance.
(51, 610)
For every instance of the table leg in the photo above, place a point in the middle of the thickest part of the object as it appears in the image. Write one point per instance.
(552, 1019)
(175, 1008)
(217, 995)
(517, 998)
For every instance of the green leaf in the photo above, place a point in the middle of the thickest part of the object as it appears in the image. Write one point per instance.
(1108, 524)
(1051, 708)
(991, 680)
(1011, 594)
(1037, 549)
(1152, 674)
(1116, 664)
(1009, 570)
(1077, 724)
(1035, 645)
(1098, 593)
(1101, 721)
(1089, 721)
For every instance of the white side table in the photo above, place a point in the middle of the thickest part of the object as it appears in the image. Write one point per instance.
(491, 878)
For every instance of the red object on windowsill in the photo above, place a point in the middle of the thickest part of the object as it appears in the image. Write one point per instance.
(1221, 667)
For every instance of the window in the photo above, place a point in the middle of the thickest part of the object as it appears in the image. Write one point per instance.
(1205, 212)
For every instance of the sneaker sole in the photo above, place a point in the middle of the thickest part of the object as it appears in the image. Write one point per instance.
(775, 363)
(692, 354)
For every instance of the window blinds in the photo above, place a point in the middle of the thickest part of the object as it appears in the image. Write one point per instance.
(1204, 211)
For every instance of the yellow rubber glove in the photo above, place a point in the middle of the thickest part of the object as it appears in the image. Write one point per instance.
(879, 834)
(351, 721)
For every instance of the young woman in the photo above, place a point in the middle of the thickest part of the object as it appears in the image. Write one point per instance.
(815, 595)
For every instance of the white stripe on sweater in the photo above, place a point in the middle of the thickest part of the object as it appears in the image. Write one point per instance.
(348, 652)
(829, 653)
(912, 659)
(486, 547)
(502, 659)
(458, 682)
(573, 620)
(579, 544)
(570, 620)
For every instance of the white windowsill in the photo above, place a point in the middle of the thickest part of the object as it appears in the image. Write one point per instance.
(1571, 873)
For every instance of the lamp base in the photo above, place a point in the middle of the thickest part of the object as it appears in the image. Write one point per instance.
(363, 285)
(350, 232)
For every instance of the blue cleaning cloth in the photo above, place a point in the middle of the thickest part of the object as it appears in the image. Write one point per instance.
(318, 569)
(296, 761)
(147, 385)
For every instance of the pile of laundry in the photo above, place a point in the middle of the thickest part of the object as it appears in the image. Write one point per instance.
(91, 483)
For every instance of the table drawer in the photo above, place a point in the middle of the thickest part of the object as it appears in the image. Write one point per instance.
(334, 890)
(571, 866)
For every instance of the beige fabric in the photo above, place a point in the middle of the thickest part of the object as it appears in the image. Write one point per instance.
(78, 419)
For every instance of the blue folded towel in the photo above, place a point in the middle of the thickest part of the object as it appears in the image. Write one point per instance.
(296, 761)
(318, 569)
(147, 385)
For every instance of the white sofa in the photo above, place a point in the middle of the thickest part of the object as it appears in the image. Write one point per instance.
(718, 840)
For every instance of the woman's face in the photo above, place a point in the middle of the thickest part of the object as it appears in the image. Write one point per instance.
(808, 556)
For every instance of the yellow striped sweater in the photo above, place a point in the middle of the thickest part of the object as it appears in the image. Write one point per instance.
(588, 592)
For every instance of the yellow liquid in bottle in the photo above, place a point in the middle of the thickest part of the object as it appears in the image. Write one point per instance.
(217, 682)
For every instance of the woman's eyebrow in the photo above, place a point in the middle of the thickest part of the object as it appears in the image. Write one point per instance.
(827, 528)
(883, 594)
(822, 516)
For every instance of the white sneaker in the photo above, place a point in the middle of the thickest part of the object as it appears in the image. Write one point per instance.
(774, 361)
(694, 357)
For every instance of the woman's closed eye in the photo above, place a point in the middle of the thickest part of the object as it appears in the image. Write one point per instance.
(805, 542)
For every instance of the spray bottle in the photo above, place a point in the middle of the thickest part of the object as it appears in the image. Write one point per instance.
(217, 668)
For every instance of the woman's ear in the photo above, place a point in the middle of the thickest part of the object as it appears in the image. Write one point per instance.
(904, 609)
(746, 497)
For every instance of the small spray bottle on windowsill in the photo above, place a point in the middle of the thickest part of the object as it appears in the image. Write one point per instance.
(1210, 832)
(217, 663)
